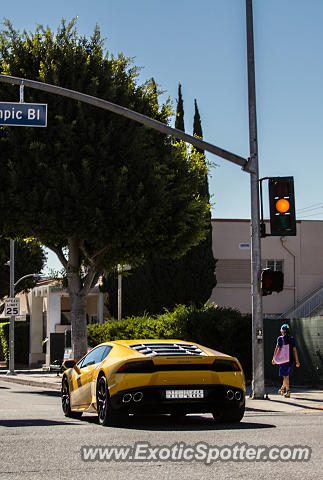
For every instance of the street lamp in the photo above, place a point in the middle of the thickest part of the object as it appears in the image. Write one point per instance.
(13, 284)
(35, 275)
(120, 270)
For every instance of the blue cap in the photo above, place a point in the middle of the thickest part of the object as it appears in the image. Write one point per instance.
(284, 328)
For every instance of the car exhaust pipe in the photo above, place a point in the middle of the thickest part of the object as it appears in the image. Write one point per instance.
(237, 395)
(230, 395)
(126, 397)
(138, 396)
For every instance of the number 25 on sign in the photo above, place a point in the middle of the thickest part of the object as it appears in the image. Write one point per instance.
(12, 307)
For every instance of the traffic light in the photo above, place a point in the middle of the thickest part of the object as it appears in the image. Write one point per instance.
(282, 206)
(271, 281)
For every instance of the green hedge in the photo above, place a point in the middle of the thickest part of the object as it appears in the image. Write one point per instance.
(223, 329)
(21, 342)
(3, 343)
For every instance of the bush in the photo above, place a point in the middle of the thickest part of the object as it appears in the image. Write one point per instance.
(3, 341)
(222, 329)
(21, 341)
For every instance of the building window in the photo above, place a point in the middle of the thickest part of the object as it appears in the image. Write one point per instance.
(244, 246)
(276, 265)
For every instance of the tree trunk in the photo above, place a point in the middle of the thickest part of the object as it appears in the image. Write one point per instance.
(78, 300)
(78, 320)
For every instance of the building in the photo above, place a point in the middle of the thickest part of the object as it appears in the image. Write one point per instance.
(300, 258)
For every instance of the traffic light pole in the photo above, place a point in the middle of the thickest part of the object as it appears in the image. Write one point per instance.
(258, 385)
(11, 370)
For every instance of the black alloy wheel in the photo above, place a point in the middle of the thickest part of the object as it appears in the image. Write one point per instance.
(106, 414)
(66, 401)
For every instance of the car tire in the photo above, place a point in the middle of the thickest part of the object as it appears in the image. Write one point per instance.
(106, 414)
(230, 415)
(66, 401)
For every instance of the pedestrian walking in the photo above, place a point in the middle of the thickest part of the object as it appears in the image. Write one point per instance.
(285, 355)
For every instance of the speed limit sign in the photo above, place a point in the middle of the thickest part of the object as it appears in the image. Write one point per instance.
(12, 307)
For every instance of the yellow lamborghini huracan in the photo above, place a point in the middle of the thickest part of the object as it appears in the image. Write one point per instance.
(125, 377)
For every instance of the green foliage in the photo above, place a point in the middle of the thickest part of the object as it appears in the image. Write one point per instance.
(95, 187)
(4, 344)
(164, 283)
(29, 258)
(93, 175)
(197, 126)
(222, 329)
(21, 342)
(179, 120)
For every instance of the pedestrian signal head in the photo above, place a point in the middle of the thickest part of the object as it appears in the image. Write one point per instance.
(271, 281)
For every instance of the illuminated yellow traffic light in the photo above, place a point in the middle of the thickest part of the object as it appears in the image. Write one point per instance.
(282, 206)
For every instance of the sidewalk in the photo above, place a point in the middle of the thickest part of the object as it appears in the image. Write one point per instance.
(302, 399)
(35, 378)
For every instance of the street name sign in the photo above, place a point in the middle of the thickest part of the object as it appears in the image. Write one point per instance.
(12, 307)
(17, 114)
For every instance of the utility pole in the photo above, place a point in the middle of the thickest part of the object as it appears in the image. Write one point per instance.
(11, 370)
(119, 269)
(258, 386)
(12, 286)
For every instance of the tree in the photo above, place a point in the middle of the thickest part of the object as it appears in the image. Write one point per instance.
(95, 188)
(163, 283)
(179, 121)
(197, 125)
(203, 251)
(29, 258)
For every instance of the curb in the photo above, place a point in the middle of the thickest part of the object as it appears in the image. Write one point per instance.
(252, 409)
(32, 383)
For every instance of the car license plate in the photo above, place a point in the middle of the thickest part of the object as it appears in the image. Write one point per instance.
(184, 394)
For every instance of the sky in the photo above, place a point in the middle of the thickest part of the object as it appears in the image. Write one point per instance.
(202, 45)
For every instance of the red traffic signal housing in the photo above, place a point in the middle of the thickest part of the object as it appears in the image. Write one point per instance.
(282, 206)
(271, 281)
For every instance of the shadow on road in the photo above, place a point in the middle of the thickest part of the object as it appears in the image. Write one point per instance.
(34, 422)
(48, 393)
(189, 423)
(316, 400)
(299, 405)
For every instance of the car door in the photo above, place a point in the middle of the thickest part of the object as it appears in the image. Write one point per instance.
(81, 395)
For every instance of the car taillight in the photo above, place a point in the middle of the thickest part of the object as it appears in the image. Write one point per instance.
(226, 366)
(146, 366)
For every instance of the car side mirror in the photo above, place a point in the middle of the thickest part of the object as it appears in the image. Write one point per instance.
(71, 364)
